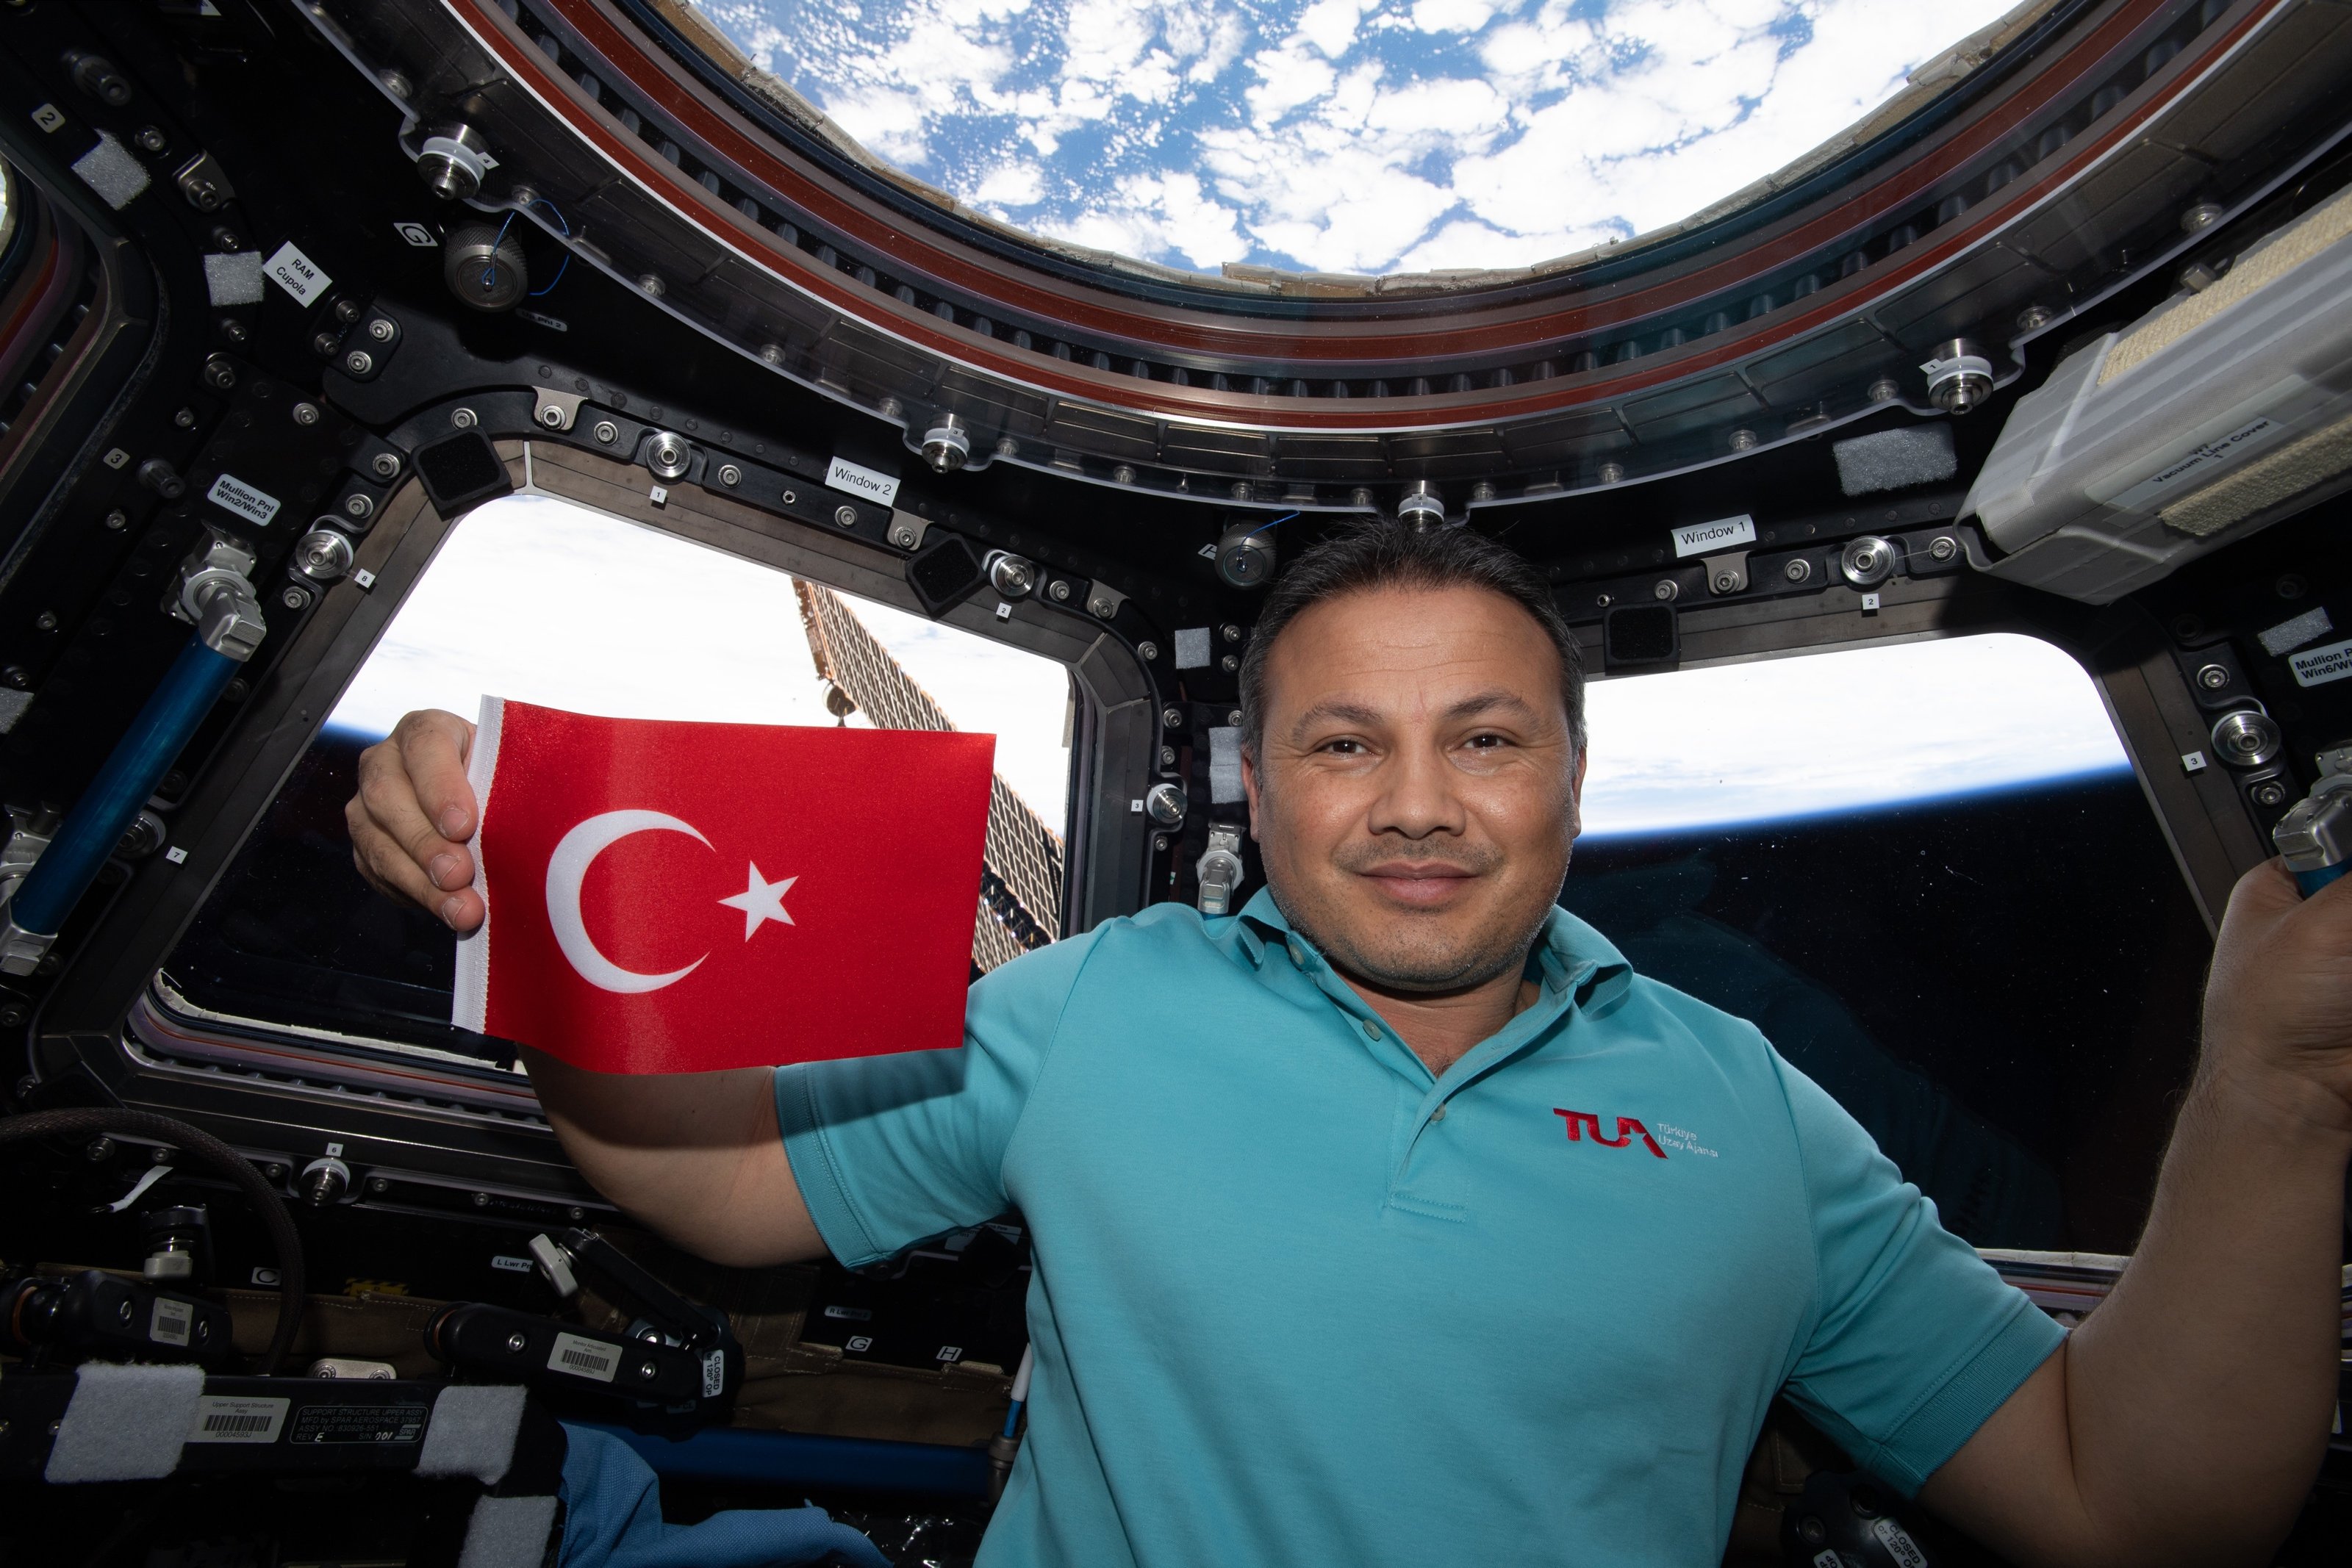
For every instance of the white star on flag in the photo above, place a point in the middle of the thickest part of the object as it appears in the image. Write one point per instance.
(763, 900)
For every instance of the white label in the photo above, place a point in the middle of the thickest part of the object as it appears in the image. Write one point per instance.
(859, 1341)
(2200, 463)
(296, 274)
(2317, 666)
(224, 1420)
(1899, 1544)
(850, 1314)
(847, 476)
(176, 855)
(714, 1374)
(47, 118)
(171, 1322)
(583, 1358)
(264, 1277)
(1825, 1558)
(951, 1353)
(416, 234)
(234, 495)
(511, 1265)
(1724, 533)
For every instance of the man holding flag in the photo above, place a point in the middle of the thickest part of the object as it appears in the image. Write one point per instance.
(1356, 1238)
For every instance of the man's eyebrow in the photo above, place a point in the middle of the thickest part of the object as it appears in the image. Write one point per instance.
(1341, 710)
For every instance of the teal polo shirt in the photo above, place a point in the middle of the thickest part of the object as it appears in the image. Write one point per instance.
(1297, 1302)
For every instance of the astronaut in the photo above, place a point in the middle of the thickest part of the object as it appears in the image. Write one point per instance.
(1396, 1220)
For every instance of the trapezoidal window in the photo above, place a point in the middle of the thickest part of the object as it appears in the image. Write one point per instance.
(1928, 873)
(295, 967)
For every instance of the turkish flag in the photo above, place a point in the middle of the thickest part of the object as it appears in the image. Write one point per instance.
(669, 897)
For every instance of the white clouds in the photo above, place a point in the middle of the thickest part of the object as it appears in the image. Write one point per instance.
(1838, 731)
(1346, 135)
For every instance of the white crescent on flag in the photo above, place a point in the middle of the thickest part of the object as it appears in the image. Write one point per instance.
(567, 868)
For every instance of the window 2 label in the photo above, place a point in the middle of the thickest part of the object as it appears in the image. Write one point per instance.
(844, 475)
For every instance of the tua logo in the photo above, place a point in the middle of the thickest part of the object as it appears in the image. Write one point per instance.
(1582, 1122)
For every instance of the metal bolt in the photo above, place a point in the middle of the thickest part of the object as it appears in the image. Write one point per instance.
(152, 139)
(1060, 590)
(306, 413)
(1234, 719)
(347, 310)
(380, 330)
(1743, 441)
(846, 516)
(772, 353)
(1612, 473)
(1172, 717)
(1007, 447)
(359, 361)
(1725, 581)
(1943, 547)
(2203, 215)
(551, 416)
(1798, 570)
(1666, 588)
(905, 534)
(2213, 677)
(902, 535)
(324, 344)
(1229, 632)
(185, 419)
(1158, 843)
(379, 1185)
(517, 1343)
(232, 330)
(118, 520)
(464, 419)
(2034, 318)
(122, 1312)
(645, 1369)
(2270, 792)
(1883, 390)
(1165, 804)
(730, 475)
(891, 408)
(1147, 650)
(274, 1171)
(651, 284)
(481, 1201)
(606, 432)
(219, 373)
(1230, 662)
(575, 1212)
(1167, 756)
(1123, 475)
(98, 1151)
(47, 620)
(359, 505)
(386, 464)
(294, 598)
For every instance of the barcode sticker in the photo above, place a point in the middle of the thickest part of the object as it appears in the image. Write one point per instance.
(171, 1322)
(583, 1358)
(220, 1419)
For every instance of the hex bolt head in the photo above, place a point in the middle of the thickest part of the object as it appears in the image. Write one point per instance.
(2269, 792)
(1060, 590)
(730, 475)
(324, 344)
(1943, 547)
(306, 413)
(359, 362)
(359, 505)
(1725, 581)
(219, 373)
(385, 465)
(294, 598)
(2213, 677)
(1229, 632)
(1167, 756)
(380, 330)
(1230, 663)
(846, 516)
(1147, 650)
(1234, 719)
(1798, 570)
(1666, 589)
(606, 432)
(347, 311)
(1173, 718)
(464, 419)
(551, 416)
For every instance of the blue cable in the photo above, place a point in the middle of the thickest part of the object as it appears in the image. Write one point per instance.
(565, 265)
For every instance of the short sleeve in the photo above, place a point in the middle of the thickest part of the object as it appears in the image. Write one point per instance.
(888, 1149)
(1915, 1339)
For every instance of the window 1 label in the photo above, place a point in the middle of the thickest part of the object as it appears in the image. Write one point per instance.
(1724, 533)
(847, 476)
(232, 494)
(2317, 666)
(296, 274)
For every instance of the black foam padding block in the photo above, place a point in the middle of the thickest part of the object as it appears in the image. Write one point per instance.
(943, 574)
(460, 471)
(1640, 634)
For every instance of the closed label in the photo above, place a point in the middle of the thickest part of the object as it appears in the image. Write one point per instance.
(583, 1358)
(296, 274)
(2317, 666)
(1724, 533)
(220, 1419)
(1899, 1544)
(714, 1374)
(847, 476)
(234, 495)
(359, 1424)
(169, 1323)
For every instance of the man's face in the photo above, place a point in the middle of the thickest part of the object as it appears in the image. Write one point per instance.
(1416, 794)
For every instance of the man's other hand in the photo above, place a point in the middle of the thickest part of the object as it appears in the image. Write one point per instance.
(2278, 1004)
(413, 814)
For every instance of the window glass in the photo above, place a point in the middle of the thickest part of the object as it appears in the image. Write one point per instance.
(538, 600)
(1928, 873)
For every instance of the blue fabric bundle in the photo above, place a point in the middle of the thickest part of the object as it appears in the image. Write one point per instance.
(613, 1518)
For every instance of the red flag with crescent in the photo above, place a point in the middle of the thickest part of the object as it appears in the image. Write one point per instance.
(679, 897)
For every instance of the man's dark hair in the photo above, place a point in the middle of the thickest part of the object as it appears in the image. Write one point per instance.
(1365, 558)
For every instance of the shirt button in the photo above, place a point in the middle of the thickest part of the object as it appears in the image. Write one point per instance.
(1299, 955)
(1372, 1029)
(1438, 1114)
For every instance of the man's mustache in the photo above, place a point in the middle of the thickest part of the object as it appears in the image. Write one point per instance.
(1366, 857)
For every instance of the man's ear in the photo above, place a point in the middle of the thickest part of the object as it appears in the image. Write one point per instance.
(1576, 795)
(1250, 788)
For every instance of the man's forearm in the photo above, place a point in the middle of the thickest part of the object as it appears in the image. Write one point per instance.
(2200, 1395)
(695, 1157)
